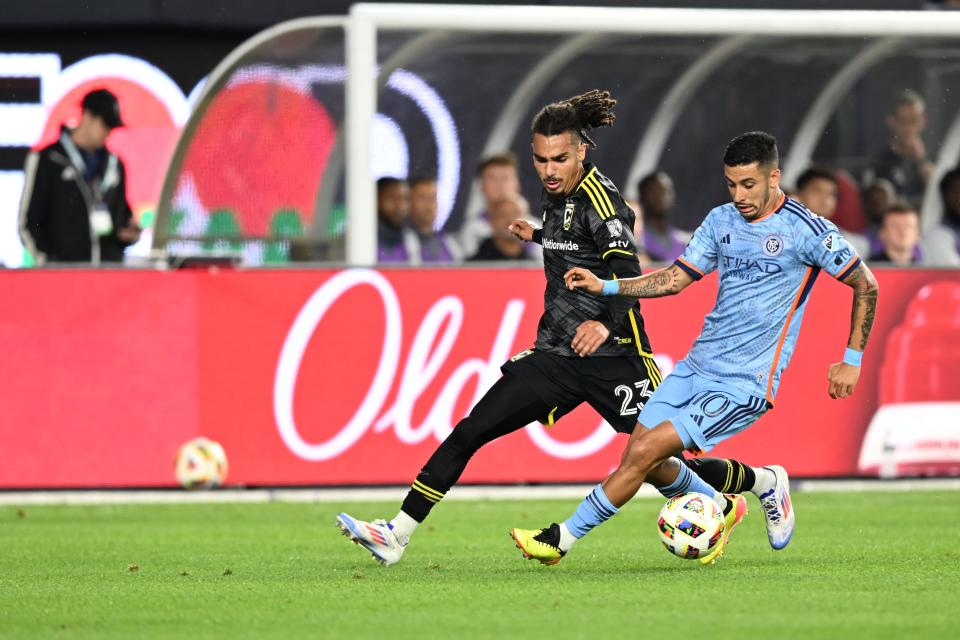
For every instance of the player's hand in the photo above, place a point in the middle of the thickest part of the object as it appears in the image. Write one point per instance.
(843, 378)
(589, 336)
(583, 279)
(915, 148)
(522, 229)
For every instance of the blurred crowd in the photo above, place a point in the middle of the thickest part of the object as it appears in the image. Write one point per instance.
(74, 206)
(878, 211)
(407, 213)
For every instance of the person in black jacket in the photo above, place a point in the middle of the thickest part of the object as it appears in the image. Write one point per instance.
(588, 349)
(74, 206)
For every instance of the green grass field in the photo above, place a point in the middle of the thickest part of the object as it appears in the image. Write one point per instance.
(862, 565)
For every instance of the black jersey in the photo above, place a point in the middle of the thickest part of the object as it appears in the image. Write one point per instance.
(590, 228)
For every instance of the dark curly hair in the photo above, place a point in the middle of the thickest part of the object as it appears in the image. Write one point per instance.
(578, 114)
(755, 146)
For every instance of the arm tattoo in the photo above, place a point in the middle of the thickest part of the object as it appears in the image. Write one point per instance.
(865, 292)
(663, 282)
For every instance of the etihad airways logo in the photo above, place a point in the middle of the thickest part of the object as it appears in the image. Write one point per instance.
(560, 246)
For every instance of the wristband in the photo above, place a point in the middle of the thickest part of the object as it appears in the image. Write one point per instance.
(610, 288)
(852, 357)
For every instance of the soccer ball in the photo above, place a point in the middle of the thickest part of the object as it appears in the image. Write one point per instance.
(690, 525)
(200, 464)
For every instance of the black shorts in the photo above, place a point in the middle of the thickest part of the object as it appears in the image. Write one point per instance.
(616, 387)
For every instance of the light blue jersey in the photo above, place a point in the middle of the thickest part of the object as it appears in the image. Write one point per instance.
(767, 269)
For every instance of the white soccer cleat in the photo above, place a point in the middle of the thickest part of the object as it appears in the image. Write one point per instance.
(376, 537)
(778, 510)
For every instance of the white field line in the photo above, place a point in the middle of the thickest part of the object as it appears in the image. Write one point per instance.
(396, 494)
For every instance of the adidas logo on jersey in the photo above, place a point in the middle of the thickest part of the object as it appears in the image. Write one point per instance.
(725, 239)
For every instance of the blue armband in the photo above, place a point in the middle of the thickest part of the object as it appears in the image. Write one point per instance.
(610, 288)
(852, 357)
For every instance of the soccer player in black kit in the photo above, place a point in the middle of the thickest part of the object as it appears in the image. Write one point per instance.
(588, 349)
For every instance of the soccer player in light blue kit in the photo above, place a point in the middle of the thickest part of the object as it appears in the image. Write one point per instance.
(768, 250)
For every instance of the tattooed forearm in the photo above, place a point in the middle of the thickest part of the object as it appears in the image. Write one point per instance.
(664, 282)
(867, 300)
(864, 310)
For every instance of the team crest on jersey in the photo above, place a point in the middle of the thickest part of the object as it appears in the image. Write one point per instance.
(615, 227)
(772, 245)
(568, 215)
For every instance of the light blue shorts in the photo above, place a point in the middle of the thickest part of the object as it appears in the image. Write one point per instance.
(703, 411)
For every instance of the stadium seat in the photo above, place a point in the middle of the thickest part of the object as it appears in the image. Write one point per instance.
(849, 214)
(922, 356)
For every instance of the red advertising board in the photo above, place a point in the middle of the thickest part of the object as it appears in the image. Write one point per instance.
(353, 377)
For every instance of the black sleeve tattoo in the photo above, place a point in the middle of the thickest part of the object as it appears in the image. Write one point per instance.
(865, 293)
(664, 282)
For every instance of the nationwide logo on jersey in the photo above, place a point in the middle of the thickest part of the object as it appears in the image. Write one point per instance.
(568, 215)
(615, 227)
(772, 245)
(560, 246)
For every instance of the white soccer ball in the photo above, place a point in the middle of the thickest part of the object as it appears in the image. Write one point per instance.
(690, 525)
(201, 463)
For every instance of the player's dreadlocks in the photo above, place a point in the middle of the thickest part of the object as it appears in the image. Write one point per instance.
(579, 113)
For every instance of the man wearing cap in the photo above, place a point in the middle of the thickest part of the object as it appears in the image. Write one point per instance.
(74, 206)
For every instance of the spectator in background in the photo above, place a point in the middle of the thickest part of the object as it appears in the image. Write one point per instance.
(849, 213)
(503, 245)
(877, 198)
(638, 231)
(817, 190)
(424, 243)
(498, 179)
(942, 244)
(904, 161)
(899, 236)
(74, 206)
(393, 209)
(661, 241)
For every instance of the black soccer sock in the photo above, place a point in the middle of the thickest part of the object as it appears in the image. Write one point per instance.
(509, 405)
(726, 476)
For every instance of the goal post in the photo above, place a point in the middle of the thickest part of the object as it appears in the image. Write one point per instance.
(668, 61)
(367, 20)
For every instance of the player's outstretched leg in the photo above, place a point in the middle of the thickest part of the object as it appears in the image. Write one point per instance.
(509, 405)
(645, 451)
(770, 484)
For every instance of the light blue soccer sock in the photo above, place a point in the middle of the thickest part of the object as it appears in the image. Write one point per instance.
(688, 481)
(595, 509)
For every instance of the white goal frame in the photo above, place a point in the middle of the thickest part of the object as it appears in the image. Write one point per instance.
(366, 21)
